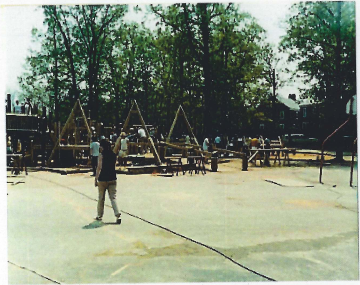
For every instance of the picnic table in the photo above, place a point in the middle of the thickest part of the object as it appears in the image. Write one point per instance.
(196, 163)
(135, 159)
(264, 154)
(175, 160)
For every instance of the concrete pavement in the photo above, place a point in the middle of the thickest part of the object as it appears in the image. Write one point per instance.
(225, 226)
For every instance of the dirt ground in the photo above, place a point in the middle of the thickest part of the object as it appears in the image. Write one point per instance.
(269, 223)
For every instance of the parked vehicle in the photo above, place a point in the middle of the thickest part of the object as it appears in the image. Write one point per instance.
(301, 141)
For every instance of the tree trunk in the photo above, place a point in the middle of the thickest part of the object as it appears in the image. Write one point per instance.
(56, 89)
(207, 99)
(339, 109)
(74, 94)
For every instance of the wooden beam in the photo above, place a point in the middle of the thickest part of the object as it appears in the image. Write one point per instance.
(177, 146)
(173, 125)
(251, 157)
(128, 118)
(124, 128)
(74, 147)
(85, 121)
(228, 151)
(62, 132)
(156, 155)
(188, 125)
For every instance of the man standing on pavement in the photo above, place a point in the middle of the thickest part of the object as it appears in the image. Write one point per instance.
(105, 179)
(94, 153)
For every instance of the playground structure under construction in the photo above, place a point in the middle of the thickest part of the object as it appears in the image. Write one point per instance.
(225, 215)
(48, 145)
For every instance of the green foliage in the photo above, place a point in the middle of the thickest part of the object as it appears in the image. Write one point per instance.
(211, 58)
(321, 39)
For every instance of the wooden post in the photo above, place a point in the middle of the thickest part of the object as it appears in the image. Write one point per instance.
(43, 137)
(32, 152)
(85, 121)
(8, 105)
(173, 125)
(156, 155)
(352, 161)
(128, 118)
(50, 121)
(137, 110)
(180, 109)
(62, 132)
(188, 125)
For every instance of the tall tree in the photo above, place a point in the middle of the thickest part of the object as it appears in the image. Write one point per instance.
(321, 40)
(94, 24)
(219, 39)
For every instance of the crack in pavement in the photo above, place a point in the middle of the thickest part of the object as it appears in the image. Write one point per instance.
(43, 276)
(166, 229)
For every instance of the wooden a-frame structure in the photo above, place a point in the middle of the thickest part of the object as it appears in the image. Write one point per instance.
(181, 112)
(69, 125)
(135, 110)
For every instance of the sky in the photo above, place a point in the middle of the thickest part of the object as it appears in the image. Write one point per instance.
(17, 21)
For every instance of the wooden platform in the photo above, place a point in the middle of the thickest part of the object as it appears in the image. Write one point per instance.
(64, 171)
(142, 169)
(165, 168)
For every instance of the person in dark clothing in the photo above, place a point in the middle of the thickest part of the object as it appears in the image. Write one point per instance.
(105, 179)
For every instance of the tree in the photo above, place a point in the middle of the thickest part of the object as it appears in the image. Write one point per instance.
(210, 58)
(94, 24)
(321, 39)
(72, 55)
(225, 45)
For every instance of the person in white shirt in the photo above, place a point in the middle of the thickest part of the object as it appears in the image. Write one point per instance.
(141, 133)
(94, 153)
(17, 107)
(142, 140)
(187, 140)
(217, 141)
(124, 142)
(206, 144)
(28, 107)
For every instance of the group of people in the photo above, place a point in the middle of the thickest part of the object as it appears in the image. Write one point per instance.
(9, 146)
(95, 145)
(219, 142)
(236, 143)
(103, 160)
(23, 108)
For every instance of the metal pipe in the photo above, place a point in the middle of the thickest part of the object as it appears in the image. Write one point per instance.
(352, 161)
(333, 133)
(322, 146)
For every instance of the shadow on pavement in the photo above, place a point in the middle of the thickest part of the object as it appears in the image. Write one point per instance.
(97, 224)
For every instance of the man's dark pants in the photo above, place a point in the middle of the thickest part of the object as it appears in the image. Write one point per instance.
(94, 163)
